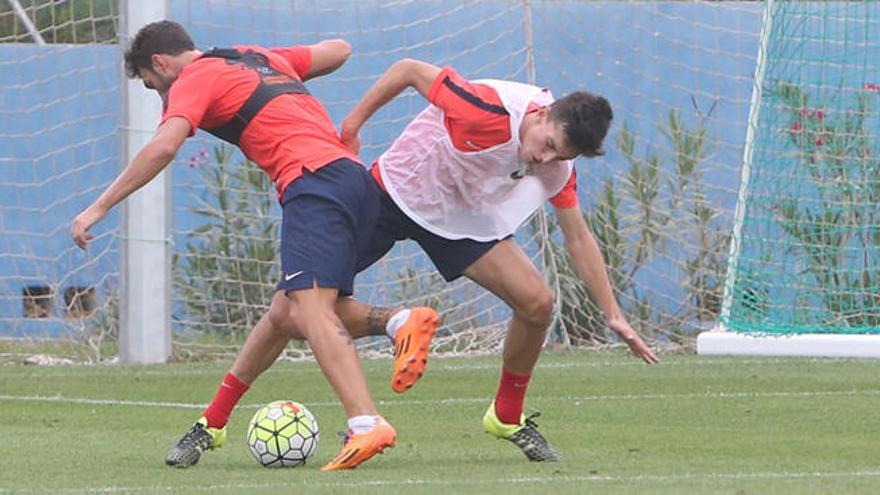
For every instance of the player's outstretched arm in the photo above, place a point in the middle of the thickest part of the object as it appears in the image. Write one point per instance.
(403, 74)
(584, 251)
(327, 56)
(148, 162)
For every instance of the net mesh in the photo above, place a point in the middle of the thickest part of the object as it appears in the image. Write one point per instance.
(808, 260)
(59, 107)
(662, 203)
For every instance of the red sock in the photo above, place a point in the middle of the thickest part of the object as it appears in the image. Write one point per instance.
(510, 396)
(224, 402)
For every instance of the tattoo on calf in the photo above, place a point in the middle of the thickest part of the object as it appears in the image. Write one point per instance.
(378, 319)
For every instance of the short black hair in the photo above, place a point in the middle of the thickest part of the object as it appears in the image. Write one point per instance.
(165, 37)
(585, 118)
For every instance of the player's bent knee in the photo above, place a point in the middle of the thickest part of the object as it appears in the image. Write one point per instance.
(282, 320)
(307, 319)
(537, 309)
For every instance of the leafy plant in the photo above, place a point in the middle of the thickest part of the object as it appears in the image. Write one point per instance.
(631, 219)
(837, 229)
(228, 272)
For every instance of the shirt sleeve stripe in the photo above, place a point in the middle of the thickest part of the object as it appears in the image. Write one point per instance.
(473, 99)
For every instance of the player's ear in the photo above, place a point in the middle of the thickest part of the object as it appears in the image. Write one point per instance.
(543, 113)
(158, 62)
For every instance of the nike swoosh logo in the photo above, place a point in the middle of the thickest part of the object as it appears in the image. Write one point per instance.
(292, 276)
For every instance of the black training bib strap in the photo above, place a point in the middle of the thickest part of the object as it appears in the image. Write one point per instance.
(272, 85)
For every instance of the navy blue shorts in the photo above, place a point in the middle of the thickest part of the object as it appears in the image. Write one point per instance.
(451, 257)
(327, 218)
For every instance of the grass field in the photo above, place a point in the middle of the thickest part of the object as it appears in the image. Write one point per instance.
(689, 425)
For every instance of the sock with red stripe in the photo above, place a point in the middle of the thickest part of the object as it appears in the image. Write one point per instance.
(510, 397)
(224, 402)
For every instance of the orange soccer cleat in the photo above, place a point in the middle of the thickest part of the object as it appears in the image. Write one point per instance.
(411, 348)
(357, 449)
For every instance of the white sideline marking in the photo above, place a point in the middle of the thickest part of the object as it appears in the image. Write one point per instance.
(455, 400)
(435, 365)
(494, 481)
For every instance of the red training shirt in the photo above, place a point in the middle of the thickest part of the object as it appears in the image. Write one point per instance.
(291, 133)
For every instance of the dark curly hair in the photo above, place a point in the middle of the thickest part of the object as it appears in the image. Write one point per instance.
(585, 118)
(165, 37)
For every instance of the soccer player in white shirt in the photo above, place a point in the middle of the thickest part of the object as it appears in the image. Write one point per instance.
(460, 179)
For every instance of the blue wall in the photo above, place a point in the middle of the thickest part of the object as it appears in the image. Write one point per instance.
(60, 105)
(60, 147)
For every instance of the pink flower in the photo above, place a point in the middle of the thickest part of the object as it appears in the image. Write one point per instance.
(819, 142)
(804, 111)
(819, 115)
(874, 88)
(796, 127)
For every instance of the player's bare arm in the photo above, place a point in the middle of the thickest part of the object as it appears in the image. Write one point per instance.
(584, 251)
(327, 56)
(148, 162)
(406, 73)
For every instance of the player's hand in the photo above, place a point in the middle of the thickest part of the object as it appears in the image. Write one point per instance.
(81, 224)
(350, 137)
(632, 339)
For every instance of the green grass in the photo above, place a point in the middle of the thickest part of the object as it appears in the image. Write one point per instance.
(689, 425)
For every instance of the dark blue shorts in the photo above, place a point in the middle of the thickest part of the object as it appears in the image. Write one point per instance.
(327, 217)
(451, 257)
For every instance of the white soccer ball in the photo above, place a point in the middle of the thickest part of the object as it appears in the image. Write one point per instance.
(283, 434)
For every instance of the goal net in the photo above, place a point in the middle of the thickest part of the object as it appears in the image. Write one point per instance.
(59, 147)
(805, 260)
(689, 238)
(661, 201)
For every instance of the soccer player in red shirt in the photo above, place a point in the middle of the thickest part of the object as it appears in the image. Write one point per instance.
(255, 98)
(459, 180)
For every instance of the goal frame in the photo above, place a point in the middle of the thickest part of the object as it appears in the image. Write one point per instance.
(721, 340)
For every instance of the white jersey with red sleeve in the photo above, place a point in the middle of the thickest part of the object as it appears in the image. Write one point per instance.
(455, 169)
